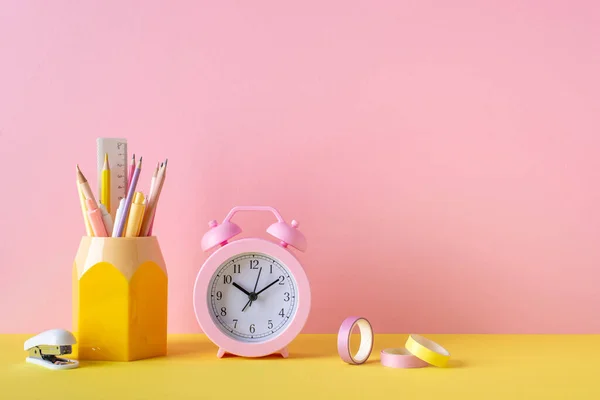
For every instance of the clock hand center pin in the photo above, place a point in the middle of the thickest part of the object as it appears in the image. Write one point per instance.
(251, 297)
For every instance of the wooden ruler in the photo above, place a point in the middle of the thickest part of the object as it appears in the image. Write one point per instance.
(116, 148)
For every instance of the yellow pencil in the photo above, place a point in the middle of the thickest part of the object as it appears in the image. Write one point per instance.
(105, 195)
(136, 214)
(88, 225)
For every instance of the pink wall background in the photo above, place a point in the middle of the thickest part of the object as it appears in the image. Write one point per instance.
(442, 159)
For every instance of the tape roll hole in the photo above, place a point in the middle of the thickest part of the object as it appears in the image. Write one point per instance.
(354, 344)
(430, 345)
(361, 340)
(398, 351)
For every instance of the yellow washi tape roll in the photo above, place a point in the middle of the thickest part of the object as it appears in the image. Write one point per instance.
(427, 350)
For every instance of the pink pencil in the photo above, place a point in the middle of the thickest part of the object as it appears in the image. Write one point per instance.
(131, 171)
(95, 215)
(149, 214)
(152, 183)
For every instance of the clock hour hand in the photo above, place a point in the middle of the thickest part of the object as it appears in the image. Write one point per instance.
(241, 288)
(268, 286)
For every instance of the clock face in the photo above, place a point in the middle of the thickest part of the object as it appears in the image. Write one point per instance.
(252, 297)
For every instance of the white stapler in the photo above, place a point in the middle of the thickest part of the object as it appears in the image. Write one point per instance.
(44, 348)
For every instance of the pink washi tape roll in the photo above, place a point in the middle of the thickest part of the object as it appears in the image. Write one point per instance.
(400, 358)
(366, 340)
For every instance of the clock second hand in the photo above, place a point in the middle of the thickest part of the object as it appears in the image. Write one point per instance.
(249, 302)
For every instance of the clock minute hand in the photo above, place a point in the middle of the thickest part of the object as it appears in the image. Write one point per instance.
(257, 279)
(252, 296)
(241, 288)
(268, 286)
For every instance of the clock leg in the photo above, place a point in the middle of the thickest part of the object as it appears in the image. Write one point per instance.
(220, 353)
(284, 352)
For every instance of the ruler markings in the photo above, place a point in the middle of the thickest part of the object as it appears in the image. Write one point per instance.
(116, 148)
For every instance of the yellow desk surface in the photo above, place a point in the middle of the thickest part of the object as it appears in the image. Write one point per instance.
(482, 367)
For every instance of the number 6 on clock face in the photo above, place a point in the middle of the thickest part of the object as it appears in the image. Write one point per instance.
(252, 297)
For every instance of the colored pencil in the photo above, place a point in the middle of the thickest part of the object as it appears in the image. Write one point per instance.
(105, 192)
(117, 217)
(153, 203)
(88, 225)
(131, 171)
(84, 184)
(153, 180)
(125, 212)
(136, 214)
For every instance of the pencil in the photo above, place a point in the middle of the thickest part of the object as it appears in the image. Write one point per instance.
(86, 221)
(152, 184)
(84, 185)
(152, 204)
(153, 181)
(134, 222)
(118, 217)
(125, 212)
(131, 171)
(105, 193)
(85, 193)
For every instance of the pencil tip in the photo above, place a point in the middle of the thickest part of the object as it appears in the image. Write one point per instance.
(80, 176)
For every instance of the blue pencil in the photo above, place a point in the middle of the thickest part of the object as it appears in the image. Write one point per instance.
(125, 212)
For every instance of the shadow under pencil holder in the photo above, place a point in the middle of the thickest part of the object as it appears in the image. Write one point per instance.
(120, 288)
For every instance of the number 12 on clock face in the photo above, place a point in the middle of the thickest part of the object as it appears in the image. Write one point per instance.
(252, 297)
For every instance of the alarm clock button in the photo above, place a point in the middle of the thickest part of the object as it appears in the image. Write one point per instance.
(288, 235)
(219, 234)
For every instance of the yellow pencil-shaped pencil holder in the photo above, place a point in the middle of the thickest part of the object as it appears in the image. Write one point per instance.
(120, 290)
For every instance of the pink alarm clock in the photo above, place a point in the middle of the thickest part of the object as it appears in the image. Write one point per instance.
(252, 296)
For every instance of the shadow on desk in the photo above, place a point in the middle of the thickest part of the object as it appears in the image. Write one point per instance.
(304, 347)
(456, 364)
(189, 346)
